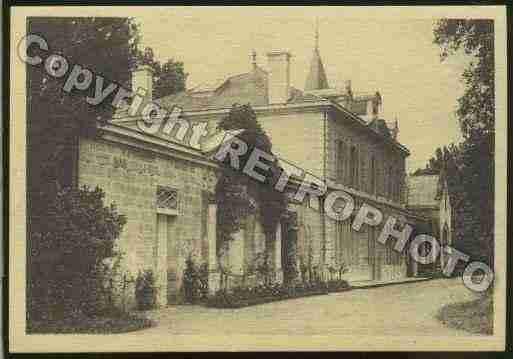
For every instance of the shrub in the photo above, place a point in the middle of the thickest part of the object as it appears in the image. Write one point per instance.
(66, 253)
(189, 280)
(195, 281)
(145, 290)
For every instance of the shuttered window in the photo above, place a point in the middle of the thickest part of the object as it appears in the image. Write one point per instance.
(372, 175)
(340, 157)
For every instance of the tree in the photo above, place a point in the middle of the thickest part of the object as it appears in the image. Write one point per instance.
(476, 110)
(168, 77)
(239, 195)
(55, 120)
(476, 115)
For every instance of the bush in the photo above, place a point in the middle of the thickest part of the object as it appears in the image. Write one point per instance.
(145, 290)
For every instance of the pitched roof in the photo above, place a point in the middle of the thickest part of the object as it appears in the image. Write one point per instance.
(423, 190)
(250, 87)
(316, 78)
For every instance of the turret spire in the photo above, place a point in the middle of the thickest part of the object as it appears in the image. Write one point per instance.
(316, 79)
(317, 33)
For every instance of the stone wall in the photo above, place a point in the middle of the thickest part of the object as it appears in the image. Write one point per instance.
(129, 177)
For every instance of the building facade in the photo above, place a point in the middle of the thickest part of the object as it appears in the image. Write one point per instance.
(166, 186)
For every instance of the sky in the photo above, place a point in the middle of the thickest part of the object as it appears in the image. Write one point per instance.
(394, 55)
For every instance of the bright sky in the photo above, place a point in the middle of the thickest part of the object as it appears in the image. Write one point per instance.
(394, 55)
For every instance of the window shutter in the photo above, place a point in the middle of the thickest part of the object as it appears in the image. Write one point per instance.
(372, 174)
(336, 159)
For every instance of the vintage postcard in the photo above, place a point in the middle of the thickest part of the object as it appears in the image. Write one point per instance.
(257, 178)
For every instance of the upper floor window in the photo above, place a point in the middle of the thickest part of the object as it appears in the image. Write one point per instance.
(353, 165)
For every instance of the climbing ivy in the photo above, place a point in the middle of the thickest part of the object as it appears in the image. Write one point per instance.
(238, 195)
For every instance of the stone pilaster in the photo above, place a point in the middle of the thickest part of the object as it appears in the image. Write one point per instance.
(237, 253)
(161, 260)
(213, 266)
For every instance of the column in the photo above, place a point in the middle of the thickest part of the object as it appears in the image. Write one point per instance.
(213, 269)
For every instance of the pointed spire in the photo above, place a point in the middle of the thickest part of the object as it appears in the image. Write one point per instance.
(316, 78)
(395, 129)
(253, 59)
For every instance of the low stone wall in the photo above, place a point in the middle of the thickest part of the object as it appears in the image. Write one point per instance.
(130, 178)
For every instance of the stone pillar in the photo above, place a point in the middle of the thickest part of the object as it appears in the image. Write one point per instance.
(213, 267)
(277, 255)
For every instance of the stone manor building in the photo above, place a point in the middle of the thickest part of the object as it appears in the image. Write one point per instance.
(166, 187)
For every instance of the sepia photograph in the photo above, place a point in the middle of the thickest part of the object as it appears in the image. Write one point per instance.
(257, 178)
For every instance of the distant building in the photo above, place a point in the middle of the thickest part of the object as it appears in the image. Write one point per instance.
(428, 196)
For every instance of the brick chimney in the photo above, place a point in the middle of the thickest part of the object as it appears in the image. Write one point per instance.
(279, 77)
(142, 77)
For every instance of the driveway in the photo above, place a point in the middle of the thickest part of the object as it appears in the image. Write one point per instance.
(403, 309)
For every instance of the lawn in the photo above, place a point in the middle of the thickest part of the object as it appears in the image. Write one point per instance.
(474, 316)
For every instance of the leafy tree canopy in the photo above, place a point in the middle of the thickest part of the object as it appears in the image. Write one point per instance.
(168, 77)
(476, 38)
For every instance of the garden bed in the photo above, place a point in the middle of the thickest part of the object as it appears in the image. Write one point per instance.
(240, 297)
